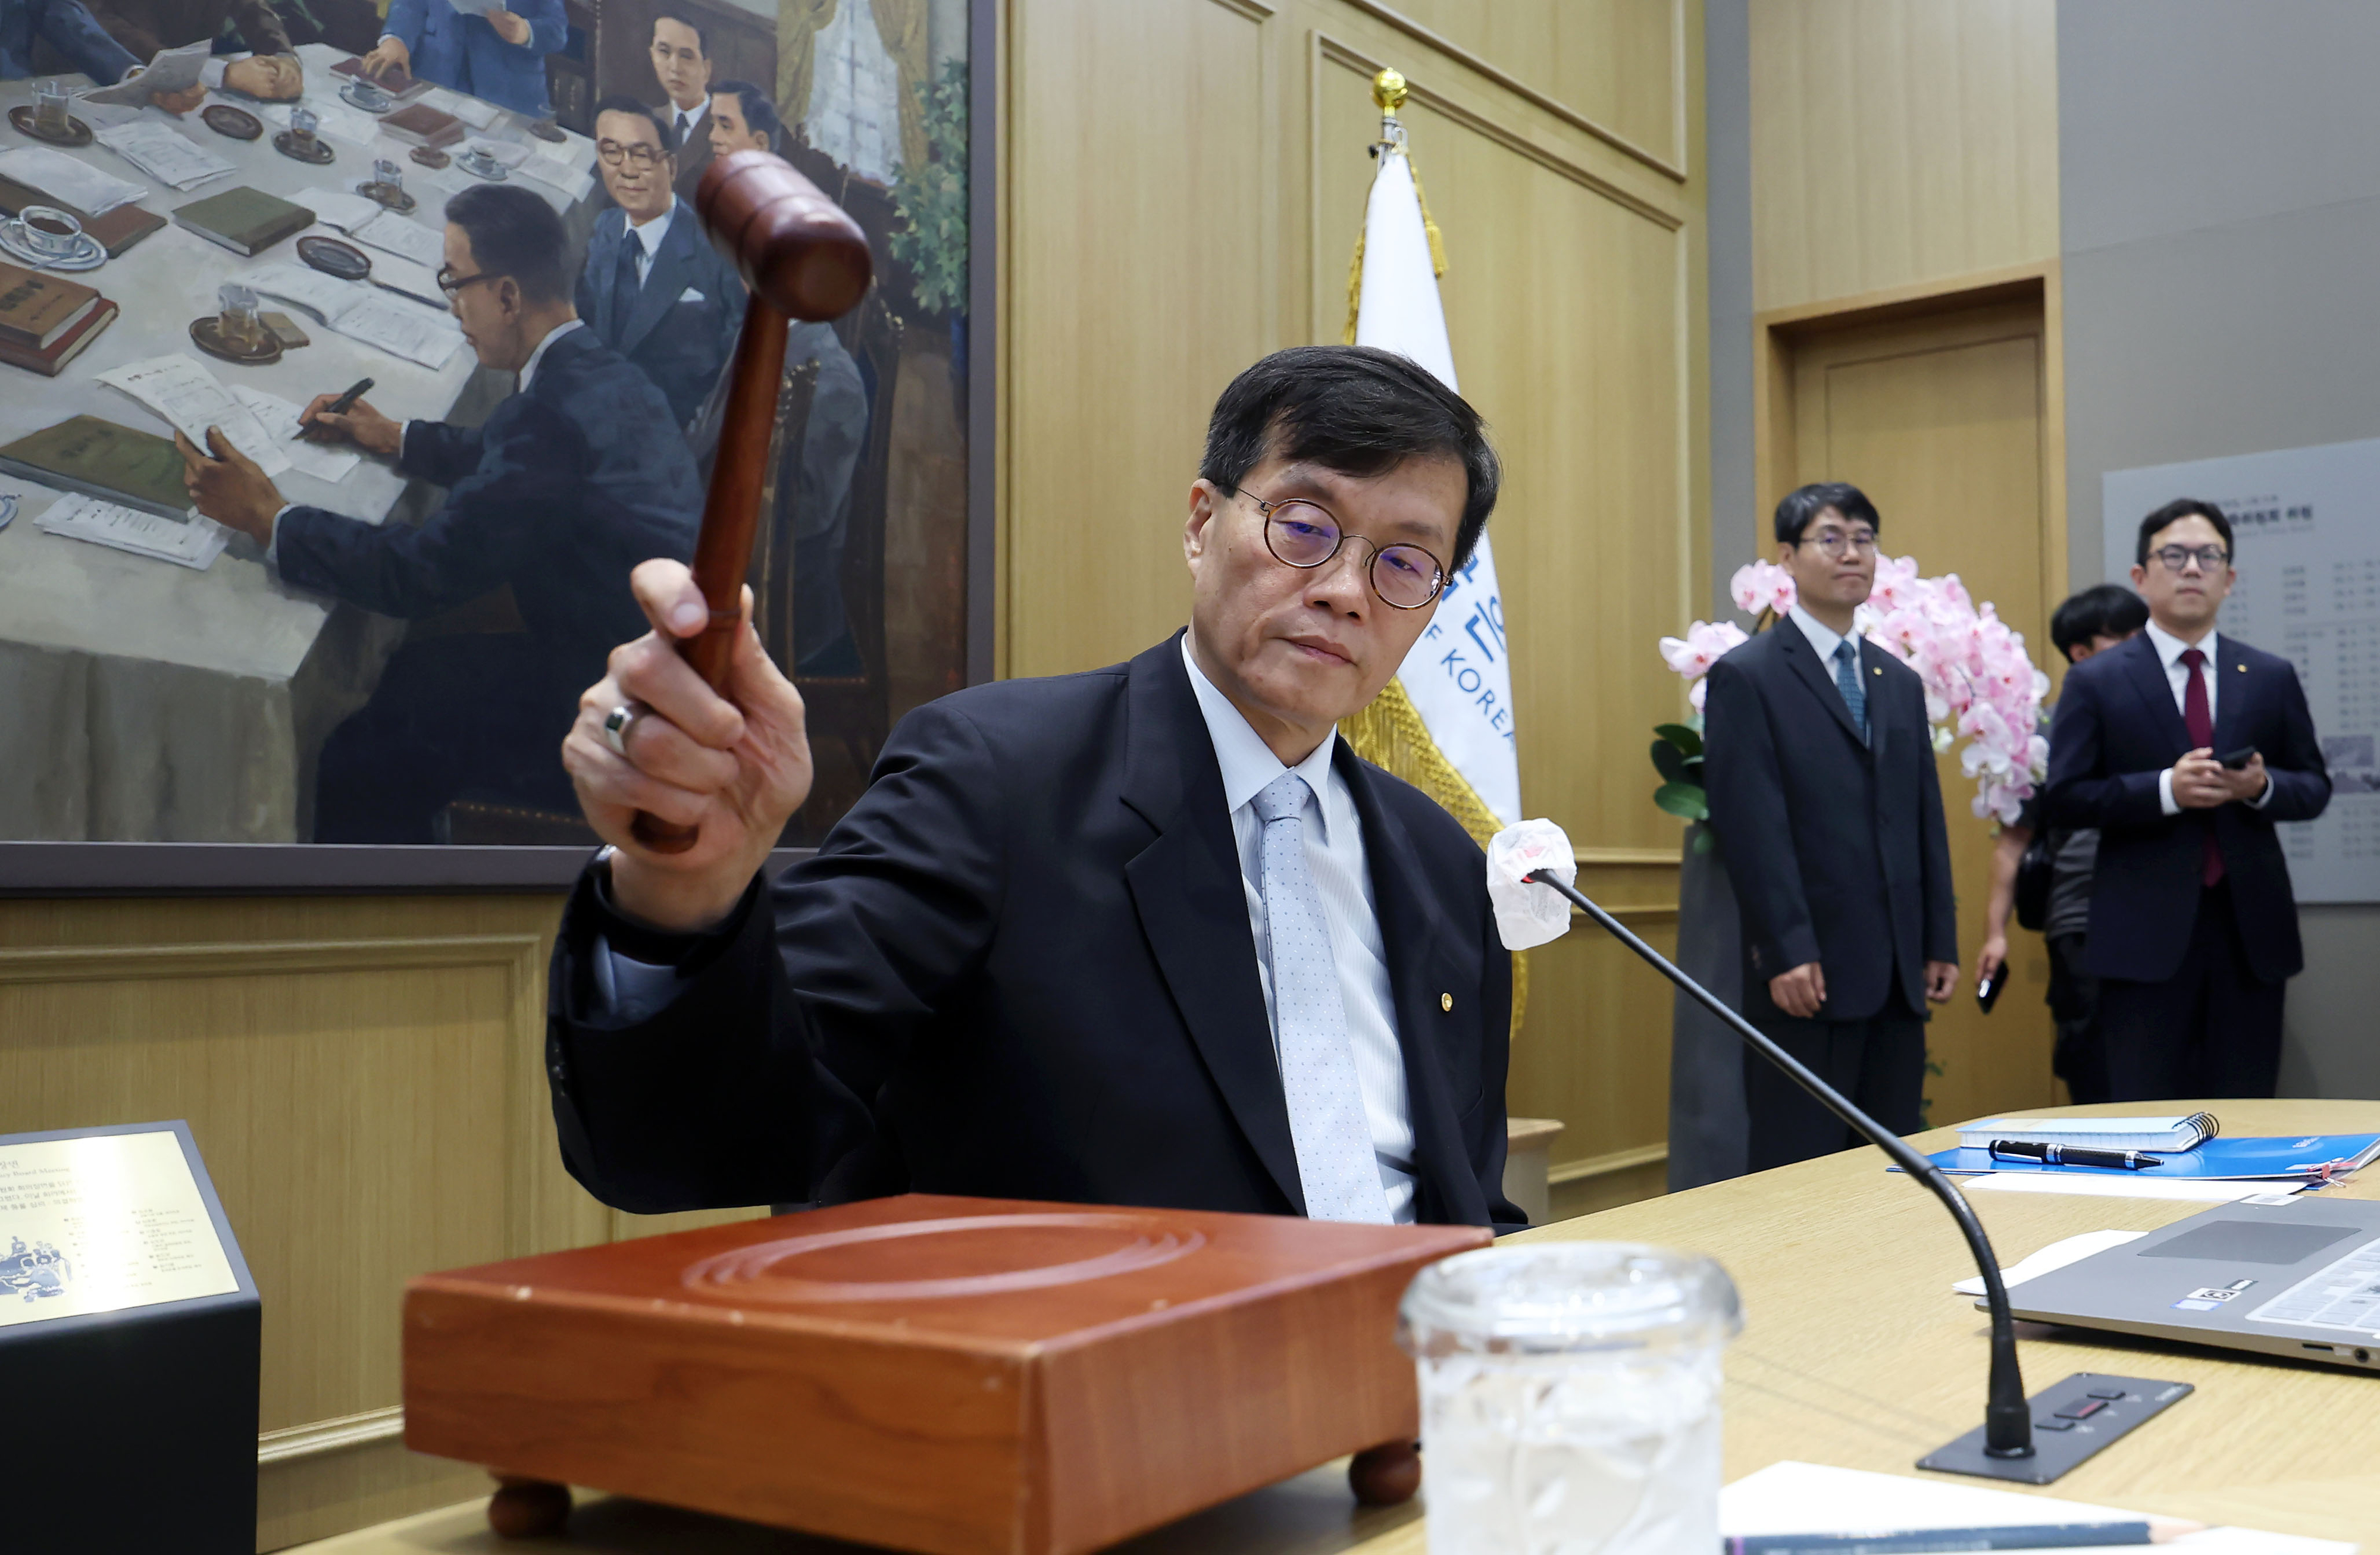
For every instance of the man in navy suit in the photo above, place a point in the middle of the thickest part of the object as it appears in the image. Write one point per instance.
(1819, 764)
(2184, 748)
(499, 56)
(1150, 934)
(655, 289)
(570, 482)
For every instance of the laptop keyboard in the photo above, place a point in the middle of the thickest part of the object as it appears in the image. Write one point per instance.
(2344, 1294)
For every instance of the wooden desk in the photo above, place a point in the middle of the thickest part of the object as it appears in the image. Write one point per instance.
(1855, 1353)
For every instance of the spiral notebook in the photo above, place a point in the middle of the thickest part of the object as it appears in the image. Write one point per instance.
(2098, 1134)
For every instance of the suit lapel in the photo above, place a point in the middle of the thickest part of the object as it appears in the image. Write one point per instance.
(1805, 660)
(1414, 932)
(1871, 660)
(2148, 676)
(1187, 888)
(672, 264)
(603, 267)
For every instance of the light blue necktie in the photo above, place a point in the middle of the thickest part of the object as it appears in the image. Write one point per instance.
(1847, 677)
(1317, 1060)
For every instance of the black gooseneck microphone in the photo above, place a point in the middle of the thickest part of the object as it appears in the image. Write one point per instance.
(2007, 1419)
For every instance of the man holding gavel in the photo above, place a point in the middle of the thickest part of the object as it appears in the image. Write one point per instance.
(1147, 935)
(568, 485)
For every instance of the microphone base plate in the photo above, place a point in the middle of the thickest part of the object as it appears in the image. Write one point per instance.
(2062, 1442)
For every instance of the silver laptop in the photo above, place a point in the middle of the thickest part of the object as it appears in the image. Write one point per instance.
(2297, 1276)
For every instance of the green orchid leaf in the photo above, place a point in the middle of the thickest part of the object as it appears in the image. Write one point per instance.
(1683, 799)
(1678, 735)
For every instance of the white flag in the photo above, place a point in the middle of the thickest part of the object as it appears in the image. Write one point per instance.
(1456, 676)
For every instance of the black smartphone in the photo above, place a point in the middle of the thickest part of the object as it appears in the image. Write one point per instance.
(2237, 760)
(1987, 993)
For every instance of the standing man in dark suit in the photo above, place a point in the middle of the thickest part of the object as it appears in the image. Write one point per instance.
(682, 64)
(2184, 748)
(1819, 764)
(570, 481)
(1151, 935)
(654, 288)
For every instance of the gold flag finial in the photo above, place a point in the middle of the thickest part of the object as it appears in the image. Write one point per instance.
(1389, 90)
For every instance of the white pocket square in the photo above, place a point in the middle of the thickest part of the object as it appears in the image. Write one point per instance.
(689, 294)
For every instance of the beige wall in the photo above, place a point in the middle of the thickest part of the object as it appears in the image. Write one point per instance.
(1899, 143)
(1186, 181)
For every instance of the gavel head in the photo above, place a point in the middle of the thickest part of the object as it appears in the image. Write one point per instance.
(793, 245)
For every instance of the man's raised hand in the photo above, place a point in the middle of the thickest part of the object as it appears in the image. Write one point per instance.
(735, 766)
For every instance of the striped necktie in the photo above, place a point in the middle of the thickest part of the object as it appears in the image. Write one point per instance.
(1847, 679)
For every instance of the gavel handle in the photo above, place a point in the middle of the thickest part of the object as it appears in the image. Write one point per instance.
(730, 516)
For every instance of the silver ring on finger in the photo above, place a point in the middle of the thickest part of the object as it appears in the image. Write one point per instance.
(615, 727)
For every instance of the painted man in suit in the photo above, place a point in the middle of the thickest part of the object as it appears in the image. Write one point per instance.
(271, 71)
(570, 481)
(66, 26)
(1151, 934)
(655, 289)
(1819, 764)
(2184, 746)
(681, 54)
(499, 56)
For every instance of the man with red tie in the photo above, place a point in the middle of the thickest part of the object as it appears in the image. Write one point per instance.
(2185, 748)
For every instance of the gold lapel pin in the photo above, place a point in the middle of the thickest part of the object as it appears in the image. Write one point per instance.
(1878, 669)
(2243, 669)
(1446, 1002)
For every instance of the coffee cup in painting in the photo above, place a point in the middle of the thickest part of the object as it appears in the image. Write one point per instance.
(50, 232)
(303, 122)
(50, 102)
(241, 320)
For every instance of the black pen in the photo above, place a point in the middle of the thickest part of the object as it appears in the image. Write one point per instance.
(346, 402)
(2072, 1155)
(1930, 1541)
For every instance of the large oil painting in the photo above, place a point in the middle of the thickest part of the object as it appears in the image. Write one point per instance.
(351, 354)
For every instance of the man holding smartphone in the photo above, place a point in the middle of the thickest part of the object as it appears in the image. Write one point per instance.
(2184, 748)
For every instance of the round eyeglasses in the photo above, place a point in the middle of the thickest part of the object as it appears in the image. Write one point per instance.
(1301, 533)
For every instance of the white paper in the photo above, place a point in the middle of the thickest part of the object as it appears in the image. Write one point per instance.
(69, 180)
(324, 461)
(326, 296)
(103, 1223)
(401, 236)
(2133, 1184)
(2058, 1255)
(417, 281)
(341, 210)
(475, 7)
(194, 541)
(1791, 1498)
(477, 112)
(573, 184)
(171, 70)
(333, 116)
(166, 155)
(177, 388)
(400, 328)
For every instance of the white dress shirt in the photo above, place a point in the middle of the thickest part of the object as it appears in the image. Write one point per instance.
(648, 240)
(2169, 650)
(1826, 640)
(1334, 853)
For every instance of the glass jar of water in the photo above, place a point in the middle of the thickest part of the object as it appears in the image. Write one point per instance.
(1570, 1398)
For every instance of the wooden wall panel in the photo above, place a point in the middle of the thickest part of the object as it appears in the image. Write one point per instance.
(1900, 141)
(1620, 64)
(1141, 243)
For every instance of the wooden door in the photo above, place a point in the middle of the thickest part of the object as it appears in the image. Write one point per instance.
(1942, 420)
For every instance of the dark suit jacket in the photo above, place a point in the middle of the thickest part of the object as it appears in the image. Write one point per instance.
(692, 155)
(1837, 851)
(66, 26)
(562, 492)
(2116, 727)
(1022, 966)
(680, 326)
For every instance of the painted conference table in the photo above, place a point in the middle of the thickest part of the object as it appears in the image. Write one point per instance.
(144, 701)
(1855, 1353)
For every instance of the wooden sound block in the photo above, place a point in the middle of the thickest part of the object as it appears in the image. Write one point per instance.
(951, 1376)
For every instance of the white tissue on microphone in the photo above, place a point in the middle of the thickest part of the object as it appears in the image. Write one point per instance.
(1527, 915)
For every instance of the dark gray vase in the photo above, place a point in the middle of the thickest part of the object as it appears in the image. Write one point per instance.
(1707, 1128)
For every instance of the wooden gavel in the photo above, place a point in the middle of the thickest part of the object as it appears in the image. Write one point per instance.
(804, 258)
